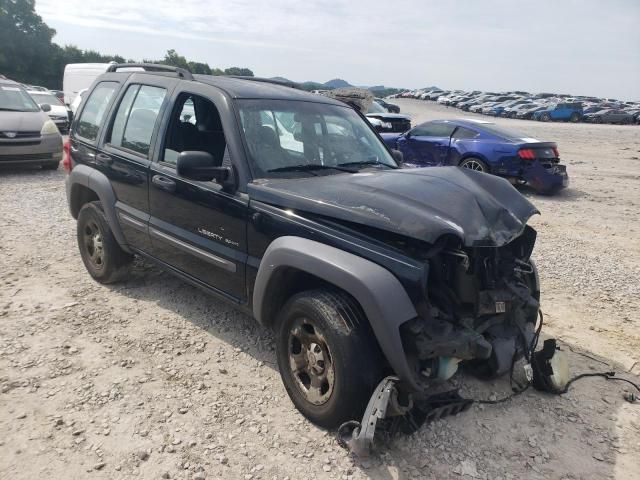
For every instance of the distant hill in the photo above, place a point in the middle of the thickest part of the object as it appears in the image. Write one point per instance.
(337, 83)
(380, 90)
(313, 86)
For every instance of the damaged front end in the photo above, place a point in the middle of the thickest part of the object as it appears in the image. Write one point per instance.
(480, 309)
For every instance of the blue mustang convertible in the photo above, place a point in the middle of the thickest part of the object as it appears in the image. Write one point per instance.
(485, 147)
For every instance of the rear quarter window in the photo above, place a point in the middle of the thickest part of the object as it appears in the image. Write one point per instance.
(136, 118)
(94, 110)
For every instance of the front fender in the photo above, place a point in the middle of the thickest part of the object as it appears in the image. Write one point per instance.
(379, 293)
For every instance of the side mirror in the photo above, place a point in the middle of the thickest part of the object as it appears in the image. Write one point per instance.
(407, 134)
(397, 156)
(200, 166)
(45, 107)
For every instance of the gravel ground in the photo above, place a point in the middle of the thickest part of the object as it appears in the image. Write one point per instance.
(153, 379)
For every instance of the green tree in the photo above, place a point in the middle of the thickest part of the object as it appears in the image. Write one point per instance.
(244, 72)
(26, 49)
(197, 67)
(172, 58)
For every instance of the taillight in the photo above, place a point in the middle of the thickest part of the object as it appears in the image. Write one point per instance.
(66, 155)
(556, 153)
(527, 153)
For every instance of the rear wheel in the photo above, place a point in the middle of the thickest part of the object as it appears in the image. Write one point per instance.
(105, 261)
(328, 359)
(473, 163)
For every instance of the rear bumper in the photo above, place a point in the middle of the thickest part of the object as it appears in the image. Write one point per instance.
(546, 180)
(48, 149)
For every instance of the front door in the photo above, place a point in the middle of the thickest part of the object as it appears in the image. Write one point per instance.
(196, 227)
(426, 145)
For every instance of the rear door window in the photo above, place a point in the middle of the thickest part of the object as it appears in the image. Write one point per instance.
(136, 118)
(94, 110)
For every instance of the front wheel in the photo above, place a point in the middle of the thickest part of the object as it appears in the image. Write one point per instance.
(574, 118)
(328, 358)
(473, 163)
(545, 117)
(105, 261)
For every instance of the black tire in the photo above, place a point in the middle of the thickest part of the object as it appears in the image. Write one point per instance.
(103, 258)
(545, 117)
(574, 118)
(50, 165)
(474, 163)
(330, 324)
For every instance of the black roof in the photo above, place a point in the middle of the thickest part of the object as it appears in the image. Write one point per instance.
(246, 88)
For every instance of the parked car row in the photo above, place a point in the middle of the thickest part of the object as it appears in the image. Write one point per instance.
(543, 107)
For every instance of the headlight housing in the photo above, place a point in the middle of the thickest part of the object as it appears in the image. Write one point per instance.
(49, 128)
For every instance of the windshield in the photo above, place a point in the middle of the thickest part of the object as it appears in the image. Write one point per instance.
(14, 98)
(287, 138)
(42, 98)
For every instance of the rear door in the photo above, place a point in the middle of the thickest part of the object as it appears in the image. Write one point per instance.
(127, 150)
(196, 227)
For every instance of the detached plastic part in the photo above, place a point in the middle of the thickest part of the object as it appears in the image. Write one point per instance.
(357, 437)
(385, 413)
(550, 368)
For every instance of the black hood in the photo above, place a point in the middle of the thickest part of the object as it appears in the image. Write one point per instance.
(422, 203)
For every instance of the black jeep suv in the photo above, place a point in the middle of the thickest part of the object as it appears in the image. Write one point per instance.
(289, 206)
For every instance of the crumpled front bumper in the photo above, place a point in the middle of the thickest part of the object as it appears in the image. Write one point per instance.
(546, 180)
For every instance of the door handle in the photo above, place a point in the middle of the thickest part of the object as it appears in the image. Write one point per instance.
(164, 183)
(103, 160)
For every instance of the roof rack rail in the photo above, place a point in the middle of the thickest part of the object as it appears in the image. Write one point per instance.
(274, 81)
(152, 67)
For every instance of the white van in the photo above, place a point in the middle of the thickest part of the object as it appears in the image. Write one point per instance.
(79, 76)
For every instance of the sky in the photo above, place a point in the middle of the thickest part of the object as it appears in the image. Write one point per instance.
(580, 47)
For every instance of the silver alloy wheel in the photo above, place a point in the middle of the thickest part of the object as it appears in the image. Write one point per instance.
(93, 244)
(473, 164)
(310, 361)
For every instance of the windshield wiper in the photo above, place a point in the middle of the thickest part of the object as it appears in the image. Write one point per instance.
(365, 163)
(310, 168)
